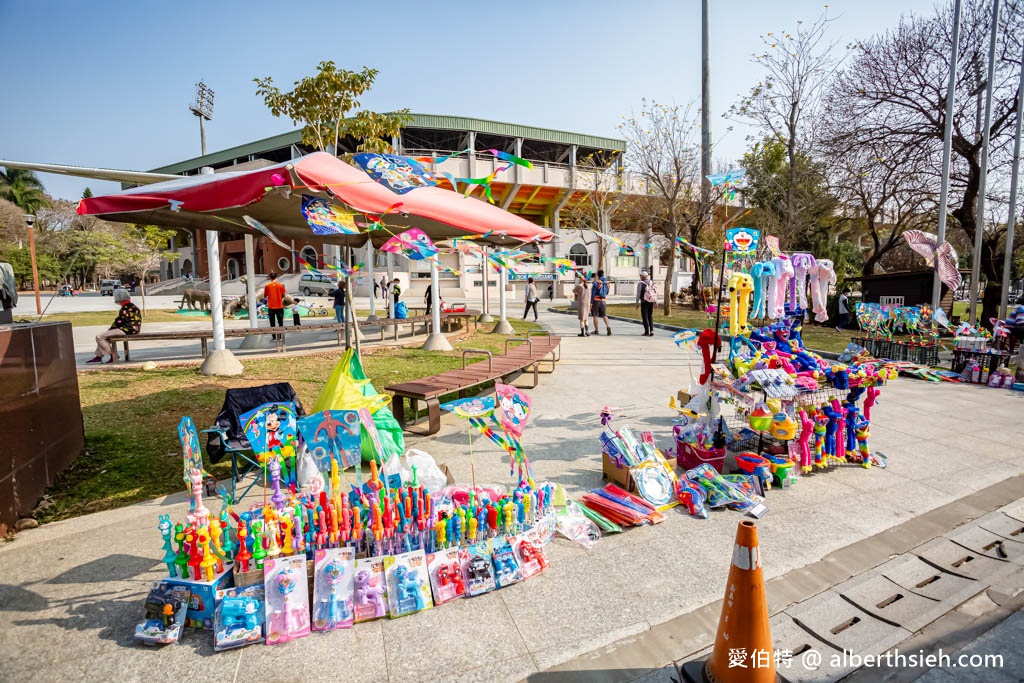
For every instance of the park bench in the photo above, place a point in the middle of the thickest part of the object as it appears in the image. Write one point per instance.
(203, 336)
(535, 350)
(450, 319)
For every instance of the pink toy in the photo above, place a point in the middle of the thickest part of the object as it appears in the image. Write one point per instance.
(198, 515)
(777, 285)
(841, 431)
(368, 595)
(806, 431)
(870, 399)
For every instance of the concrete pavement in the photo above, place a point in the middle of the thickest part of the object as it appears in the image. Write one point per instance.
(70, 592)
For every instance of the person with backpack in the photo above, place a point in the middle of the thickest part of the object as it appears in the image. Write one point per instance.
(646, 300)
(531, 298)
(598, 303)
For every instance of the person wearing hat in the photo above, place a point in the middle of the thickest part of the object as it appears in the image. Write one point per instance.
(127, 323)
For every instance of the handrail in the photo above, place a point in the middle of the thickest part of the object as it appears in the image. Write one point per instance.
(490, 357)
(521, 339)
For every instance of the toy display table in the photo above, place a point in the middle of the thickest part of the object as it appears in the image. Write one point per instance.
(921, 354)
(989, 360)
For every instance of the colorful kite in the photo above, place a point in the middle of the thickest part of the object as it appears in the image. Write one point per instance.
(729, 181)
(398, 174)
(270, 427)
(325, 218)
(413, 244)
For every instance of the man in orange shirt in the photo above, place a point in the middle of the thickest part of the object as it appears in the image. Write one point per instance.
(274, 292)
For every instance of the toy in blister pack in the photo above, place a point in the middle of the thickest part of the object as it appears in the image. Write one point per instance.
(239, 618)
(530, 551)
(166, 606)
(408, 587)
(287, 590)
(333, 586)
(479, 569)
(506, 564)
(446, 579)
(371, 591)
(545, 528)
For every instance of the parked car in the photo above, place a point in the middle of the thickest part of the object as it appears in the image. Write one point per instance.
(107, 287)
(312, 284)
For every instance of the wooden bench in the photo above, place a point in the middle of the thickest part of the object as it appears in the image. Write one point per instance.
(450, 318)
(203, 336)
(535, 350)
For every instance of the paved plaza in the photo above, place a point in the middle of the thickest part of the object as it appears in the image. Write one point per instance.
(71, 592)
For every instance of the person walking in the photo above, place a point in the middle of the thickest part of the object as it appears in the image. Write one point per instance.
(339, 295)
(274, 292)
(551, 292)
(384, 287)
(531, 298)
(376, 287)
(127, 323)
(599, 302)
(427, 299)
(581, 293)
(844, 309)
(646, 300)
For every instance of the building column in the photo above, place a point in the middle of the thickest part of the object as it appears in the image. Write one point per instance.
(371, 274)
(503, 326)
(252, 341)
(486, 316)
(436, 341)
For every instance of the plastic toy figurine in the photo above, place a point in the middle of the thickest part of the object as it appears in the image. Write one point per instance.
(410, 597)
(259, 553)
(274, 467)
(197, 515)
(181, 559)
(368, 594)
(166, 607)
(334, 609)
(208, 561)
(170, 557)
(243, 555)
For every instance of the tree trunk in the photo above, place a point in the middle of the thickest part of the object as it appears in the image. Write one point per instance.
(990, 303)
(670, 275)
(142, 286)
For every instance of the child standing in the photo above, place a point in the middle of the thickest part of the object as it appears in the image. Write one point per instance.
(296, 316)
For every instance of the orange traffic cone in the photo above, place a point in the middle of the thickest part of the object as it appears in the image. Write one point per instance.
(743, 647)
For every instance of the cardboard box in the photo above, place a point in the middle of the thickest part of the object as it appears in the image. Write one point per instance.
(619, 476)
(203, 602)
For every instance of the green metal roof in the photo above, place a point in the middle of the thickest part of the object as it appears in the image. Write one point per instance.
(431, 121)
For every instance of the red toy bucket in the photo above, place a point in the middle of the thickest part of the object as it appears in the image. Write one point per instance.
(689, 456)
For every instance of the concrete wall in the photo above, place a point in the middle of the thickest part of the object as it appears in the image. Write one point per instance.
(41, 411)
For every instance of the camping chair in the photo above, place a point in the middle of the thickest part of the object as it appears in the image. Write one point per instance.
(226, 436)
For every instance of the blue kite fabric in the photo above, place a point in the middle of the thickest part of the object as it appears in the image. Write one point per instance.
(325, 218)
(398, 174)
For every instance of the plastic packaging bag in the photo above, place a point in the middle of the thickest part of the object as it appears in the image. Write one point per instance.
(576, 526)
(428, 474)
(310, 478)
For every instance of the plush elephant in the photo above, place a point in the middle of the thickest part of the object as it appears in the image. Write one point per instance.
(196, 299)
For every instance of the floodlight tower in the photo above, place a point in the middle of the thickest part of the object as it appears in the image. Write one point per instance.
(203, 108)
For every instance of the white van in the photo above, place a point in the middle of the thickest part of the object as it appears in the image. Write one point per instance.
(107, 287)
(312, 284)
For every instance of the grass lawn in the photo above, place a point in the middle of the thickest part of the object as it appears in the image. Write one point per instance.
(824, 338)
(131, 416)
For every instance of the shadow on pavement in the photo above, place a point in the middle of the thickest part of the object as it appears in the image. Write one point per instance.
(111, 568)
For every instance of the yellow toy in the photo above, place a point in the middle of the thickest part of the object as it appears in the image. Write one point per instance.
(209, 561)
(783, 427)
(741, 286)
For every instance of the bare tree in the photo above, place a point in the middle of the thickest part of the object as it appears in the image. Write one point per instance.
(893, 92)
(886, 190)
(664, 149)
(797, 67)
(599, 181)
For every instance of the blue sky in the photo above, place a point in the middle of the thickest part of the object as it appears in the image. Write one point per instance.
(108, 83)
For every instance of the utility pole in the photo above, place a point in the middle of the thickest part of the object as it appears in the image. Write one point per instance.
(30, 221)
(203, 109)
(979, 229)
(705, 104)
(947, 146)
(1008, 257)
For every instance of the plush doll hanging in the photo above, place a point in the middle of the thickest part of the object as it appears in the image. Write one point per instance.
(802, 265)
(740, 287)
(823, 276)
(761, 272)
(777, 285)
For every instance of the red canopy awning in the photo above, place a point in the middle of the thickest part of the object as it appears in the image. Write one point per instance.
(218, 202)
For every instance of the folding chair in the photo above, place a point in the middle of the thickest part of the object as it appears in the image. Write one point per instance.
(227, 438)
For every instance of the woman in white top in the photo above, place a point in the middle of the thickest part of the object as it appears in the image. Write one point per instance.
(531, 298)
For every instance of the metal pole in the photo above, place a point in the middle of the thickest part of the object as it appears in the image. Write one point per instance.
(705, 101)
(947, 145)
(979, 229)
(503, 326)
(35, 270)
(202, 134)
(436, 341)
(250, 282)
(373, 282)
(1008, 256)
(485, 275)
(388, 299)
(216, 305)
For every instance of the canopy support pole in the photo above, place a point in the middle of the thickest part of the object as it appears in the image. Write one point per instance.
(436, 341)
(252, 341)
(485, 275)
(220, 361)
(503, 326)
(373, 282)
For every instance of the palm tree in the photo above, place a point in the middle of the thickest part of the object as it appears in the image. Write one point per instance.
(24, 189)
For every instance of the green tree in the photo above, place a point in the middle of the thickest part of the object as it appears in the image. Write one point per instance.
(21, 262)
(87, 193)
(322, 103)
(24, 189)
(144, 246)
(795, 213)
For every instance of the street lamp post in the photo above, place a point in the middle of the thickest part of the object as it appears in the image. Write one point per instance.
(202, 108)
(30, 221)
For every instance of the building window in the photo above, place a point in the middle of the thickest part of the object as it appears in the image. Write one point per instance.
(579, 255)
(284, 264)
(626, 261)
(232, 268)
(308, 253)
